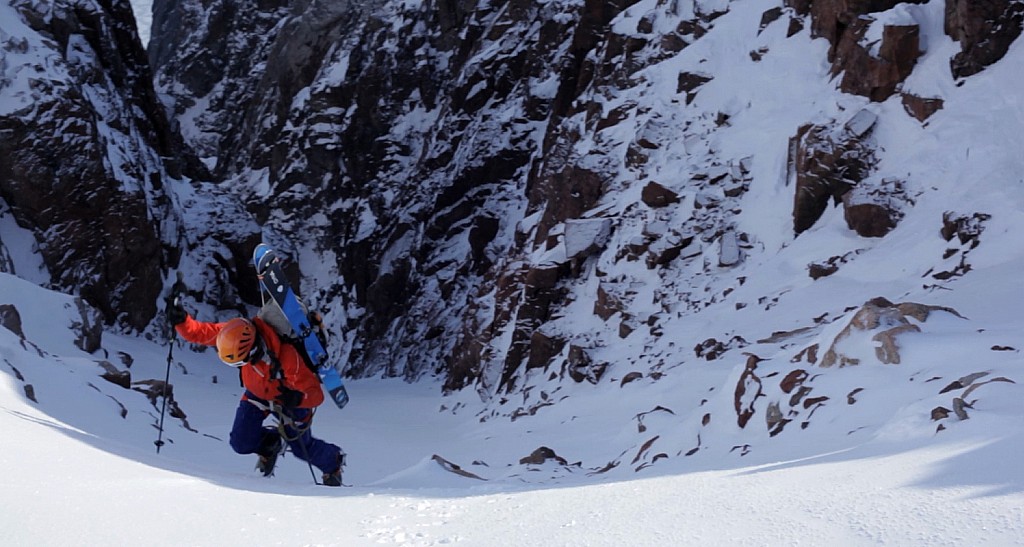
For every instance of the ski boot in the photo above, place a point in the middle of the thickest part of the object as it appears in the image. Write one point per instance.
(334, 479)
(268, 451)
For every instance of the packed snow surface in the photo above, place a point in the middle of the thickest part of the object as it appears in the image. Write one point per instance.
(76, 472)
(656, 461)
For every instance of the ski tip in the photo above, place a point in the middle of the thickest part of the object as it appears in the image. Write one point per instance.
(260, 250)
(262, 256)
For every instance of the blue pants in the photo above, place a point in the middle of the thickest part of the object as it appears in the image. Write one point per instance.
(248, 431)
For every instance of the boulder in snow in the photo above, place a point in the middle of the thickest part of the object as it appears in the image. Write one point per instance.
(921, 108)
(884, 322)
(10, 319)
(825, 163)
(729, 253)
(90, 329)
(584, 237)
(655, 195)
(873, 211)
(985, 31)
(541, 455)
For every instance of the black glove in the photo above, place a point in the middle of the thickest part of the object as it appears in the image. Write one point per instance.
(176, 313)
(289, 398)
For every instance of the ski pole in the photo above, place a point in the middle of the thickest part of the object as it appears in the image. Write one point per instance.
(176, 290)
(167, 378)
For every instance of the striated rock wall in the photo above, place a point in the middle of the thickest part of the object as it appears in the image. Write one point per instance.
(424, 163)
(87, 152)
(430, 167)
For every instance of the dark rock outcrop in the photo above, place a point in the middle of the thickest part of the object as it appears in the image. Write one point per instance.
(449, 162)
(888, 321)
(89, 329)
(87, 155)
(966, 228)
(201, 75)
(828, 162)
(656, 195)
(874, 211)
(748, 390)
(985, 30)
(876, 74)
(541, 455)
(10, 319)
(920, 107)
(833, 19)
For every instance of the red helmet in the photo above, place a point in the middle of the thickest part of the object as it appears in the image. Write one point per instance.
(235, 341)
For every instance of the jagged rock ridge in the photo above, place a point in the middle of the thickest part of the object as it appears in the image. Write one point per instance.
(87, 151)
(455, 179)
(432, 155)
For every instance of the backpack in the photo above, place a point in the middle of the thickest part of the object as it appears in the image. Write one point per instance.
(272, 315)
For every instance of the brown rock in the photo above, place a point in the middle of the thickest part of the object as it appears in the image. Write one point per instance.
(543, 276)
(810, 353)
(874, 209)
(802, 7)
(543, 348)
(111, 374)
(89, 330)
(876, 77)
(606, 305)
(581, 367)
(656, 195)
(851, 397)
(792, 380)
(630, 377)
(10, 319)
(689, 83)
(94, 212)
(825, 164)
(711, 348)
(795, 25)
(453, 468)
(940, 413)
(876, 313)
(888, 352)
(541, 455)
(663, 252)
(868, 218)
(818, 270)
(774, 420)
(967, 228)
(568, 193)
(748, 389)
(769, 17)
(919, 107)
(985, 30)
(833, 19)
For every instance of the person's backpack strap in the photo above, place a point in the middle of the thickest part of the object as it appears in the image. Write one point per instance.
(275, 363)
(272, 315)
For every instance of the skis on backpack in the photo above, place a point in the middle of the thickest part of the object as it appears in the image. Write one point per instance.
(273, 281)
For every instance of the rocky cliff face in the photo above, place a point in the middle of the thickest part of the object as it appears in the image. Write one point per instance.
(86, 151)
(397, 142)
(96, 174)
(455, 177)
(496, 192)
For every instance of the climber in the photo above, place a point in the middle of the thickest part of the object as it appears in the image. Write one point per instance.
(276, 381)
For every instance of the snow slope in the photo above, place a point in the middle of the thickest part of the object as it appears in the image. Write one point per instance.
(660, 460)
(71, 457)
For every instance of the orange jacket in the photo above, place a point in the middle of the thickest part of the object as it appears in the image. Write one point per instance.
(256, 377)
